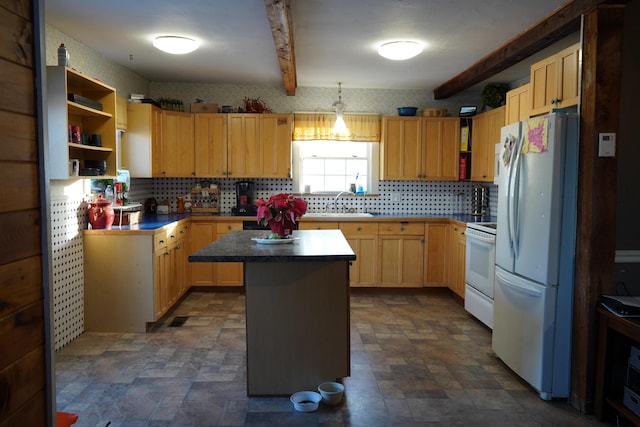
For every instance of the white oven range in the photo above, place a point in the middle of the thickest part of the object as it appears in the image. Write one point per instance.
(479, 270)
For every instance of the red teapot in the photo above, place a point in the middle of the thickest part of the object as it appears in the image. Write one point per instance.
(100, 213)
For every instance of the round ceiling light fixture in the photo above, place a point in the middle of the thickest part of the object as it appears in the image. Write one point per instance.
(400, 50)
(176, 45)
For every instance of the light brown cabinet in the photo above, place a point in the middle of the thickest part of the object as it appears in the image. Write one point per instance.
(121, 113)
(228, 273)
(363, 238)
(210, 136)
(486, 134)
(141, 144)
(441, 148)
(436, 254)
(416, 148)
(401, 254)
(456, 260)
(259, 145)
(97, 115)
(177, 149)
(554, 81)
(518, 105)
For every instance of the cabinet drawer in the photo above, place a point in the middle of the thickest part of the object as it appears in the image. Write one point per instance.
(354, 228)
(226, 227)
(408, 228)
(183, 230)
(319, 225)
(160, 240)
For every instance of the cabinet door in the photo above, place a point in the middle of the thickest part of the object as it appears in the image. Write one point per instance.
(401, 148)
(162, 275)
(456, 264)
(544, 85)
(518, 104)
(201, 235)
(486, 135)
(228, 273)
(182, 273)
(401, 261)
(568, 73)
(210, 137)
(436, 254)
(121, 113)
(244, 155)
(441, 148)
(177, 144)
(275, 136)
(363, 238)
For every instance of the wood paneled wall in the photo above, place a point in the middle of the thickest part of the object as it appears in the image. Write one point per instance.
(23, 352)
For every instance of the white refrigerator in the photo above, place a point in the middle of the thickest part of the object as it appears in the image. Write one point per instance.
(535, 250)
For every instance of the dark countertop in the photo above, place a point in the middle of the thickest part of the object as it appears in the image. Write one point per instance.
(308, 246)
(154, 222)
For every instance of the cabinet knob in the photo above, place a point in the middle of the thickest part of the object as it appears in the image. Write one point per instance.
(161, 241)
(359, 228)
(178, 247)
(401, 228)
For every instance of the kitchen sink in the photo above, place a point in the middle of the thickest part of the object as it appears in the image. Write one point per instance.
(338, 215)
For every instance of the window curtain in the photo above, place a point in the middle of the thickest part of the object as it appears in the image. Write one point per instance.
(319, 126)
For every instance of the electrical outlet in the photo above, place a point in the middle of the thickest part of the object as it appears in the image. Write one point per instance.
(396, 197)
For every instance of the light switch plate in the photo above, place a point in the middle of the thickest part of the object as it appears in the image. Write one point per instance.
(396, 197)
(606, 144)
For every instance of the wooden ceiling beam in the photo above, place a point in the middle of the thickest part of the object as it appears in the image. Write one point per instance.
(554, 27)
(279, 13)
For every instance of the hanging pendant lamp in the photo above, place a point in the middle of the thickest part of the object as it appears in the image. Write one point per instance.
(339, 126)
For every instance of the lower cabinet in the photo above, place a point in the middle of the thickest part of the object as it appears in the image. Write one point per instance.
(203, 233)
(456, 261)
(131, 279)
(401, 254)
(436, 254)
(363, 238)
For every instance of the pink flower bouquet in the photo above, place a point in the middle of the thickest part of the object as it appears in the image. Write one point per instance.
(280, 213)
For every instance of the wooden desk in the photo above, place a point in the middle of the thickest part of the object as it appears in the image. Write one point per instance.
(616, 335)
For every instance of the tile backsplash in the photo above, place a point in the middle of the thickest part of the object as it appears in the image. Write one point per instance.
(402, 197)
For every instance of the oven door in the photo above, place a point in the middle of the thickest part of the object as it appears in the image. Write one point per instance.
(480, 261)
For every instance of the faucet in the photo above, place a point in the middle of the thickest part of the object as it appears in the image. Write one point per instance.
(335, 201)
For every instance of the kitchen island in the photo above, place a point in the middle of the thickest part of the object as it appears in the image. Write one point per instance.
(297, 307)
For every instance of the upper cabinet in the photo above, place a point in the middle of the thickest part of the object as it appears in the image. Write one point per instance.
(121, 113)
(161, 143)
(554, 81)
(486, 134)
(210, 144)
(259, 145)
(518, 104)
(177, 149)
(141, 142)
(415, 148)
(81, 124)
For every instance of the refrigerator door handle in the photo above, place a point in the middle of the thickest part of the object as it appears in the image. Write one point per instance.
(515, 208)
(518, 287)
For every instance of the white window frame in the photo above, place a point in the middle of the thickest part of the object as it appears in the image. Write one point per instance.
(373, 157)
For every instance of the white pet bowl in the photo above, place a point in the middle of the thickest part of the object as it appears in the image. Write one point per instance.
(305, 401)
(331, 392)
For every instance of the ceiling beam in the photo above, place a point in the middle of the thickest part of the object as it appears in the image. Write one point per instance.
(279, 13)
(544, 33)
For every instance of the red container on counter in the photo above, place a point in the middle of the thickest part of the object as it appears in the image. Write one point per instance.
(100, 213)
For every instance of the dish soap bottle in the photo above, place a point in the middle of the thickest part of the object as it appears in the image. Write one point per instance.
(63, 56)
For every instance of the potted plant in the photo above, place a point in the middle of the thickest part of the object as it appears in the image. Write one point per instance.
(494, 95)
(280, 213)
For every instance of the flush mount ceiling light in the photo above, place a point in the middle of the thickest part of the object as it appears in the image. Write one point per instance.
(400, 50)
(340, 126)
(176, 45)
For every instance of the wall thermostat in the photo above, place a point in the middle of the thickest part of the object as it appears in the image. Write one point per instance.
(606, 144)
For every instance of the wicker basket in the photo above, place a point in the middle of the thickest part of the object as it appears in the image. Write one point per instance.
(434, 112)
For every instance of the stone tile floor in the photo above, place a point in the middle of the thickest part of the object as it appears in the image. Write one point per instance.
(418, 359)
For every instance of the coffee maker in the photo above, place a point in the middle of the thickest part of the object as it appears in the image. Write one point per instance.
(244, 199)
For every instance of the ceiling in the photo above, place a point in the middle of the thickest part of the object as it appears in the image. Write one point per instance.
(334, 40)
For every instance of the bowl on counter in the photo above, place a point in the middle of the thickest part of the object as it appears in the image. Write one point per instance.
(305, 401)
(407, 111)
(331, 392)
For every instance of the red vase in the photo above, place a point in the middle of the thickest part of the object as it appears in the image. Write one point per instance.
(282, 228)
(100, 213)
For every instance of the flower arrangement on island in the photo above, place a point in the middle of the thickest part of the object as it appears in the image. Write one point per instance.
(280, 213)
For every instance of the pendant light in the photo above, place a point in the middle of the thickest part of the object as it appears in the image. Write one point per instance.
(339, 126)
